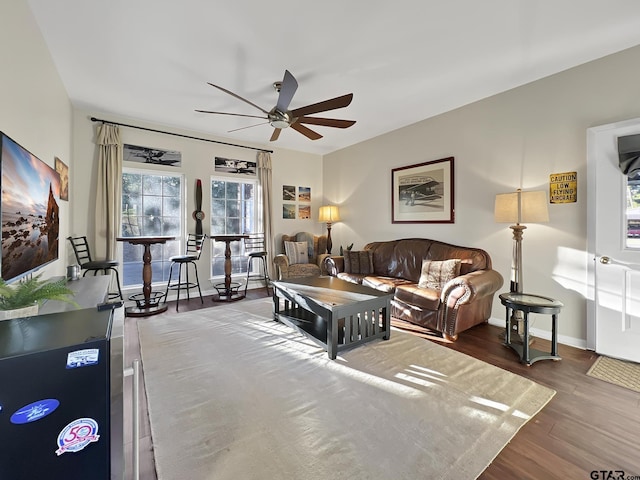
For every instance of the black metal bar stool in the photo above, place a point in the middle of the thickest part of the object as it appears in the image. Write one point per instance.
(254, 247)
(192, 254)
(83, 257)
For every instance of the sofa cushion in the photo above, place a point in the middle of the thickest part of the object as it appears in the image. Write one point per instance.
(436, 273)
(384, 284)
(296, 252)
(358, 262)
(412, 294)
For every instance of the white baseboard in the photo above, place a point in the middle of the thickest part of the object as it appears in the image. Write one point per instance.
(536, 332)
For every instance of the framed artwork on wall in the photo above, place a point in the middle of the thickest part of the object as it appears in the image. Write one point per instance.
(423, 193)
(304, 194)
(289, 193)
(156, 156)
(304, 212)
(288, 211)
(229, 165)
(63, 171)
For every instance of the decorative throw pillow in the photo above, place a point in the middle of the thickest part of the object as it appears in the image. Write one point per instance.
(296, 252)
(360, 262)
(436, 273)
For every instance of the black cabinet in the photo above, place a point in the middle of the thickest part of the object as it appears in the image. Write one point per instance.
(60, 396)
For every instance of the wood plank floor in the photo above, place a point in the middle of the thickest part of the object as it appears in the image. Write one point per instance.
(589, 425)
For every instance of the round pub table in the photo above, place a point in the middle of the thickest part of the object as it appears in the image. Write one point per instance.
(147, 303)
(529, 303)
(228, 290)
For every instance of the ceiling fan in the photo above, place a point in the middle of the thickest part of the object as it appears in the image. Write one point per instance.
(280, 117)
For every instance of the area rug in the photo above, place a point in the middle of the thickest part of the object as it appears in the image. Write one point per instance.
(234, 395)
(618, 372)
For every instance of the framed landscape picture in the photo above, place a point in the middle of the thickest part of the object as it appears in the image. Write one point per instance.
(304, 194)
(423, 193)
(304, 212)
(288, 211)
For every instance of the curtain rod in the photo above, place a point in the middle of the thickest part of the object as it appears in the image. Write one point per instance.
(94, 119)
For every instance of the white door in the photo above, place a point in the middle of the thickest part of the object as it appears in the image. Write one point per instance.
(615, 272)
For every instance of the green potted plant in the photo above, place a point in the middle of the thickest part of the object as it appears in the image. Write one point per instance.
(23, 299)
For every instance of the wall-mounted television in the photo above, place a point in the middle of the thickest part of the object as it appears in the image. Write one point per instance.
(29, 211)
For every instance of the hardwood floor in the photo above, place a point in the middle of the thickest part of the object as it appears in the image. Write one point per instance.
(589, 425)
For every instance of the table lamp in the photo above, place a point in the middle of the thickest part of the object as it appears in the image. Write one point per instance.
(329, 214)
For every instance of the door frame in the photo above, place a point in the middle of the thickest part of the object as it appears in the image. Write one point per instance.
(595, 138)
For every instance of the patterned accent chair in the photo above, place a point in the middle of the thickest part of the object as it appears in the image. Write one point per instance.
(316, 249)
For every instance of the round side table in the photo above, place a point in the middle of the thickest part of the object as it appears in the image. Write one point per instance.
(529, 303)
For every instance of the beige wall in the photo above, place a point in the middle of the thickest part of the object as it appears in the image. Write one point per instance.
(515, 139)
(289, 168)
(34, 107)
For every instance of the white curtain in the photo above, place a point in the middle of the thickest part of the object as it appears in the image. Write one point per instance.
(108, 191)
(264, 182)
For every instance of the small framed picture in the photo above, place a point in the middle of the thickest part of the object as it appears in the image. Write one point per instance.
(288, 210)
(304, 194)
(289, 193)
(304, 212)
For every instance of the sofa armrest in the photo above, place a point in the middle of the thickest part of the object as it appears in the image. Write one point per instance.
(320, 261)
(467, 288)
(334, 265)
(281, 262)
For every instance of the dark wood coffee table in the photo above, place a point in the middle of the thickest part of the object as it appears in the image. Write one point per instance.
(334, 313)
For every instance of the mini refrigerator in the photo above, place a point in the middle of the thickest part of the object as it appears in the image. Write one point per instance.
(56, 395)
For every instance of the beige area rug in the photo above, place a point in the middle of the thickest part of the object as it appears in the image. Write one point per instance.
(234, 395)
(618, 372)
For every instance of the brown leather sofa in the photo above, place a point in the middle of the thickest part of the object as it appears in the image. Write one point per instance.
(397, 266)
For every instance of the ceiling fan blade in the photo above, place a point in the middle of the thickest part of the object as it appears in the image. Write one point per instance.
(326, 122)
(307, 132)
(275, 134)
(244, 128)
(288, 88)
(234, 114)
(239, 98)
(338, 102)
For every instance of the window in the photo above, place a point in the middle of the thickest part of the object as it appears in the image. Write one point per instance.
(234, 209)
(151, 206)
(633, 212)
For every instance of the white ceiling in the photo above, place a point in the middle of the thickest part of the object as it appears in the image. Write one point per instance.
(404, 61)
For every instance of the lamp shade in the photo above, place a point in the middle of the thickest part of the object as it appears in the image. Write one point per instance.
(329, 214)
(521, 207)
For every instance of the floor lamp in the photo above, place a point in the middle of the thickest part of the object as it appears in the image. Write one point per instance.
(516, 208)
(329, 214)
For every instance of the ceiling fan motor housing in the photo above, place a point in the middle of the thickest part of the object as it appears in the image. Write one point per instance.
(278, 119)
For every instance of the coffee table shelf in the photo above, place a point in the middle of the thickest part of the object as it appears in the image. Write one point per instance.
(310, 324)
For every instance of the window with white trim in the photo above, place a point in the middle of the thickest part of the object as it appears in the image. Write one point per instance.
(152, 205)
(234, 207)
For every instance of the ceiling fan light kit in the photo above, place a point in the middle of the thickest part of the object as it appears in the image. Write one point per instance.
(281, 117)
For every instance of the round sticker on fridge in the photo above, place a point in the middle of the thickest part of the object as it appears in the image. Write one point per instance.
(77, 435)
(34, 411)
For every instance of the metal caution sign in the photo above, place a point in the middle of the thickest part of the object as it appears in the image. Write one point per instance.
(563, 187)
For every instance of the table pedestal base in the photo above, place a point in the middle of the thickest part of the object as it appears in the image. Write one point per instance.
(146, 306)
(145, 311)
(228, 293)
